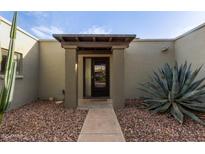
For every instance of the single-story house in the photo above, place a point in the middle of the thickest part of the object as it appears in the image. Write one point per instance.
(75, 67)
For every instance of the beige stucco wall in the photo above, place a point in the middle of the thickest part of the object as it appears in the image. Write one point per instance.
(26, 89)
(141, 58)
(191, 47)
(52, 70)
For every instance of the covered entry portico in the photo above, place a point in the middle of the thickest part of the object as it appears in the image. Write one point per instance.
(109, 47)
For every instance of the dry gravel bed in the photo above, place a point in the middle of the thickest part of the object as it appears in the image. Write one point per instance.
(42, 121)
(139, 124)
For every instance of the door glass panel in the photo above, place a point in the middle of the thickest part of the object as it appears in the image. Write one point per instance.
(100, 75)
(88, 77)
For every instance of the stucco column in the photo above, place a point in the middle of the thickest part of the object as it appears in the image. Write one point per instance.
(118, 76)
(71, 77)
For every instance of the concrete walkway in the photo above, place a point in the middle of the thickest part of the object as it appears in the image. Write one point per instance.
(101, 125)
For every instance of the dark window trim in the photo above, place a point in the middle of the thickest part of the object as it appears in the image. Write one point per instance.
(20, 75)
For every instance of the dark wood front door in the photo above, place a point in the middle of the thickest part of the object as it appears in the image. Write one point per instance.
(100, 77)
(96, 77)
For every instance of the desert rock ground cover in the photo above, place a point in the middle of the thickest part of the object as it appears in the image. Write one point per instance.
(42, 121)
(138, 124)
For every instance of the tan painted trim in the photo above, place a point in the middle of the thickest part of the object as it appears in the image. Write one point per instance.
(47, 40)
(153, 40)
(3, 48)
(94, 44)
(69, 47)
(18, 28)
(190, 31)
(82, 52)
(17, 76)
(119, 47)
(135, 40)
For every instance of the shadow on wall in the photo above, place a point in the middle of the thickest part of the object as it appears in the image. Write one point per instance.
(26, 88)
(52, 70)
(141, 59)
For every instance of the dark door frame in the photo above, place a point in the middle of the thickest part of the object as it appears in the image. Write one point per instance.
(107, 77)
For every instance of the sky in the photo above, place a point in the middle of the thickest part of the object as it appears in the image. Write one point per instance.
(146, 25)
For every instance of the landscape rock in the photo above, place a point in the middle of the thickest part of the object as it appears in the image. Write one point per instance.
(140, 125)
(42, 121)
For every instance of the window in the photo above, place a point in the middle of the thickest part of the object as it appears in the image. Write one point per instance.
(17, 57)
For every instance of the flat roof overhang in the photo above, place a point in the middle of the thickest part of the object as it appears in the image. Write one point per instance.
(94, 40)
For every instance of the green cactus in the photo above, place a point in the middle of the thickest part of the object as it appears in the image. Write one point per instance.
(6, 94)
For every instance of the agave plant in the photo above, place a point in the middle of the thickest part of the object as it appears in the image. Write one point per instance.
(175, 90)
(6, 94)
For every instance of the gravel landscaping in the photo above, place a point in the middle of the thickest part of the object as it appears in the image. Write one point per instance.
(42, 121)
(138, 124)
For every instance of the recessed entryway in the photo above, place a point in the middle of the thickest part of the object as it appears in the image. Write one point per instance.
(98, 85)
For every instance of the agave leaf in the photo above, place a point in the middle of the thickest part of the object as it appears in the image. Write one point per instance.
(195, 85)
(191, 115)
(199, 101)
(180, 71)
(192, 94)
(200, 95)
(159, 86)
(177, 113)
(165, 76)
(151, 89)
(149, 92)
(164, 82)
(190, 80)
(201, 87)
(156, 100)
(175, 81)
(195, 101)
(162, 108)
(196, 107)
(155, 105)
(195, 104)
(156, 90)
(160, 82)
(187, 74)
(168, 74)
(182, 74)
